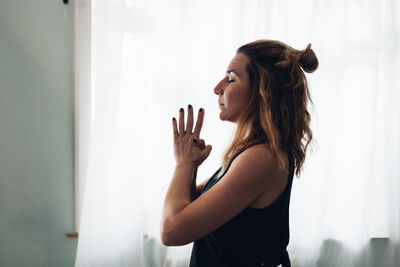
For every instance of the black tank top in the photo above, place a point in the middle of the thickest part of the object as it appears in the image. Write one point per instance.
(254, 237)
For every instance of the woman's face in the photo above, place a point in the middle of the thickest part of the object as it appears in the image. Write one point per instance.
(234, 90)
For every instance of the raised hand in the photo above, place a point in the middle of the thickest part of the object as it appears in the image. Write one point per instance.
(188, 147)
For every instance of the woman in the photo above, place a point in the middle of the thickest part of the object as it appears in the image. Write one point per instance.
(240, 216)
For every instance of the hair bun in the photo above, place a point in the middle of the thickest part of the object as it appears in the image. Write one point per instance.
(308, 60)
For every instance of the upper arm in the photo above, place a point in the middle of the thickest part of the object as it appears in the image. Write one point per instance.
(241, 185)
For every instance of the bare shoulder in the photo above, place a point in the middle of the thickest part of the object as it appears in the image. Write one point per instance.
(264, 154)
(260, 156)
(272, 181)
(260, 150)
(254, 164)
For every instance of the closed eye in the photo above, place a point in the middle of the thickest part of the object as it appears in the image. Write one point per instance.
(231, 81)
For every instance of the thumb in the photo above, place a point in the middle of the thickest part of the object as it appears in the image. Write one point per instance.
(207, 150)
(204, 154)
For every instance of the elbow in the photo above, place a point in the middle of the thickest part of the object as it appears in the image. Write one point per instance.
(166, 240)
(170, 241)
(166, 236)
(171, 236)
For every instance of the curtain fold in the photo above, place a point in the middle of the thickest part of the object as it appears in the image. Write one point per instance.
(149, 58)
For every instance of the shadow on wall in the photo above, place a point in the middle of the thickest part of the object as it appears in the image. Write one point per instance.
(156, 255)
(154, 252)
(377, 253)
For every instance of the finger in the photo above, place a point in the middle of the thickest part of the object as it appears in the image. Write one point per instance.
(181, 122)
(199, 123)
(189, 126)
(175, 128)
(201, 143)
(196, 143)
(207, 150)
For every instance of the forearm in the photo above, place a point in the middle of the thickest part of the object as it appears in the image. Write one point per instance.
(179, 192)
(194, 194)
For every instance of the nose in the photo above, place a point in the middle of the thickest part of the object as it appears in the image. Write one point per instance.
(219, 88)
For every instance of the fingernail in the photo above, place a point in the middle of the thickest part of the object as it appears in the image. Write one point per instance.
(201, 110)
(181, 110)
(194, 140)
(190, 106)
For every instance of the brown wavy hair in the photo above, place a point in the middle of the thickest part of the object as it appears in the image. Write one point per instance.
(277, 111)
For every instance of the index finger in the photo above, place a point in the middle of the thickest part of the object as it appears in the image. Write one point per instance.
(199, 123)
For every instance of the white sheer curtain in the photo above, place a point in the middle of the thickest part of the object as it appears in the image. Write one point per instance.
(152, 57)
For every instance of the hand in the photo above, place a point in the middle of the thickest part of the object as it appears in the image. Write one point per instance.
(185, 149)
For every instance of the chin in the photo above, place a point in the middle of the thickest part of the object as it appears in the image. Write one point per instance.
(221, 117)
(225, 119)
